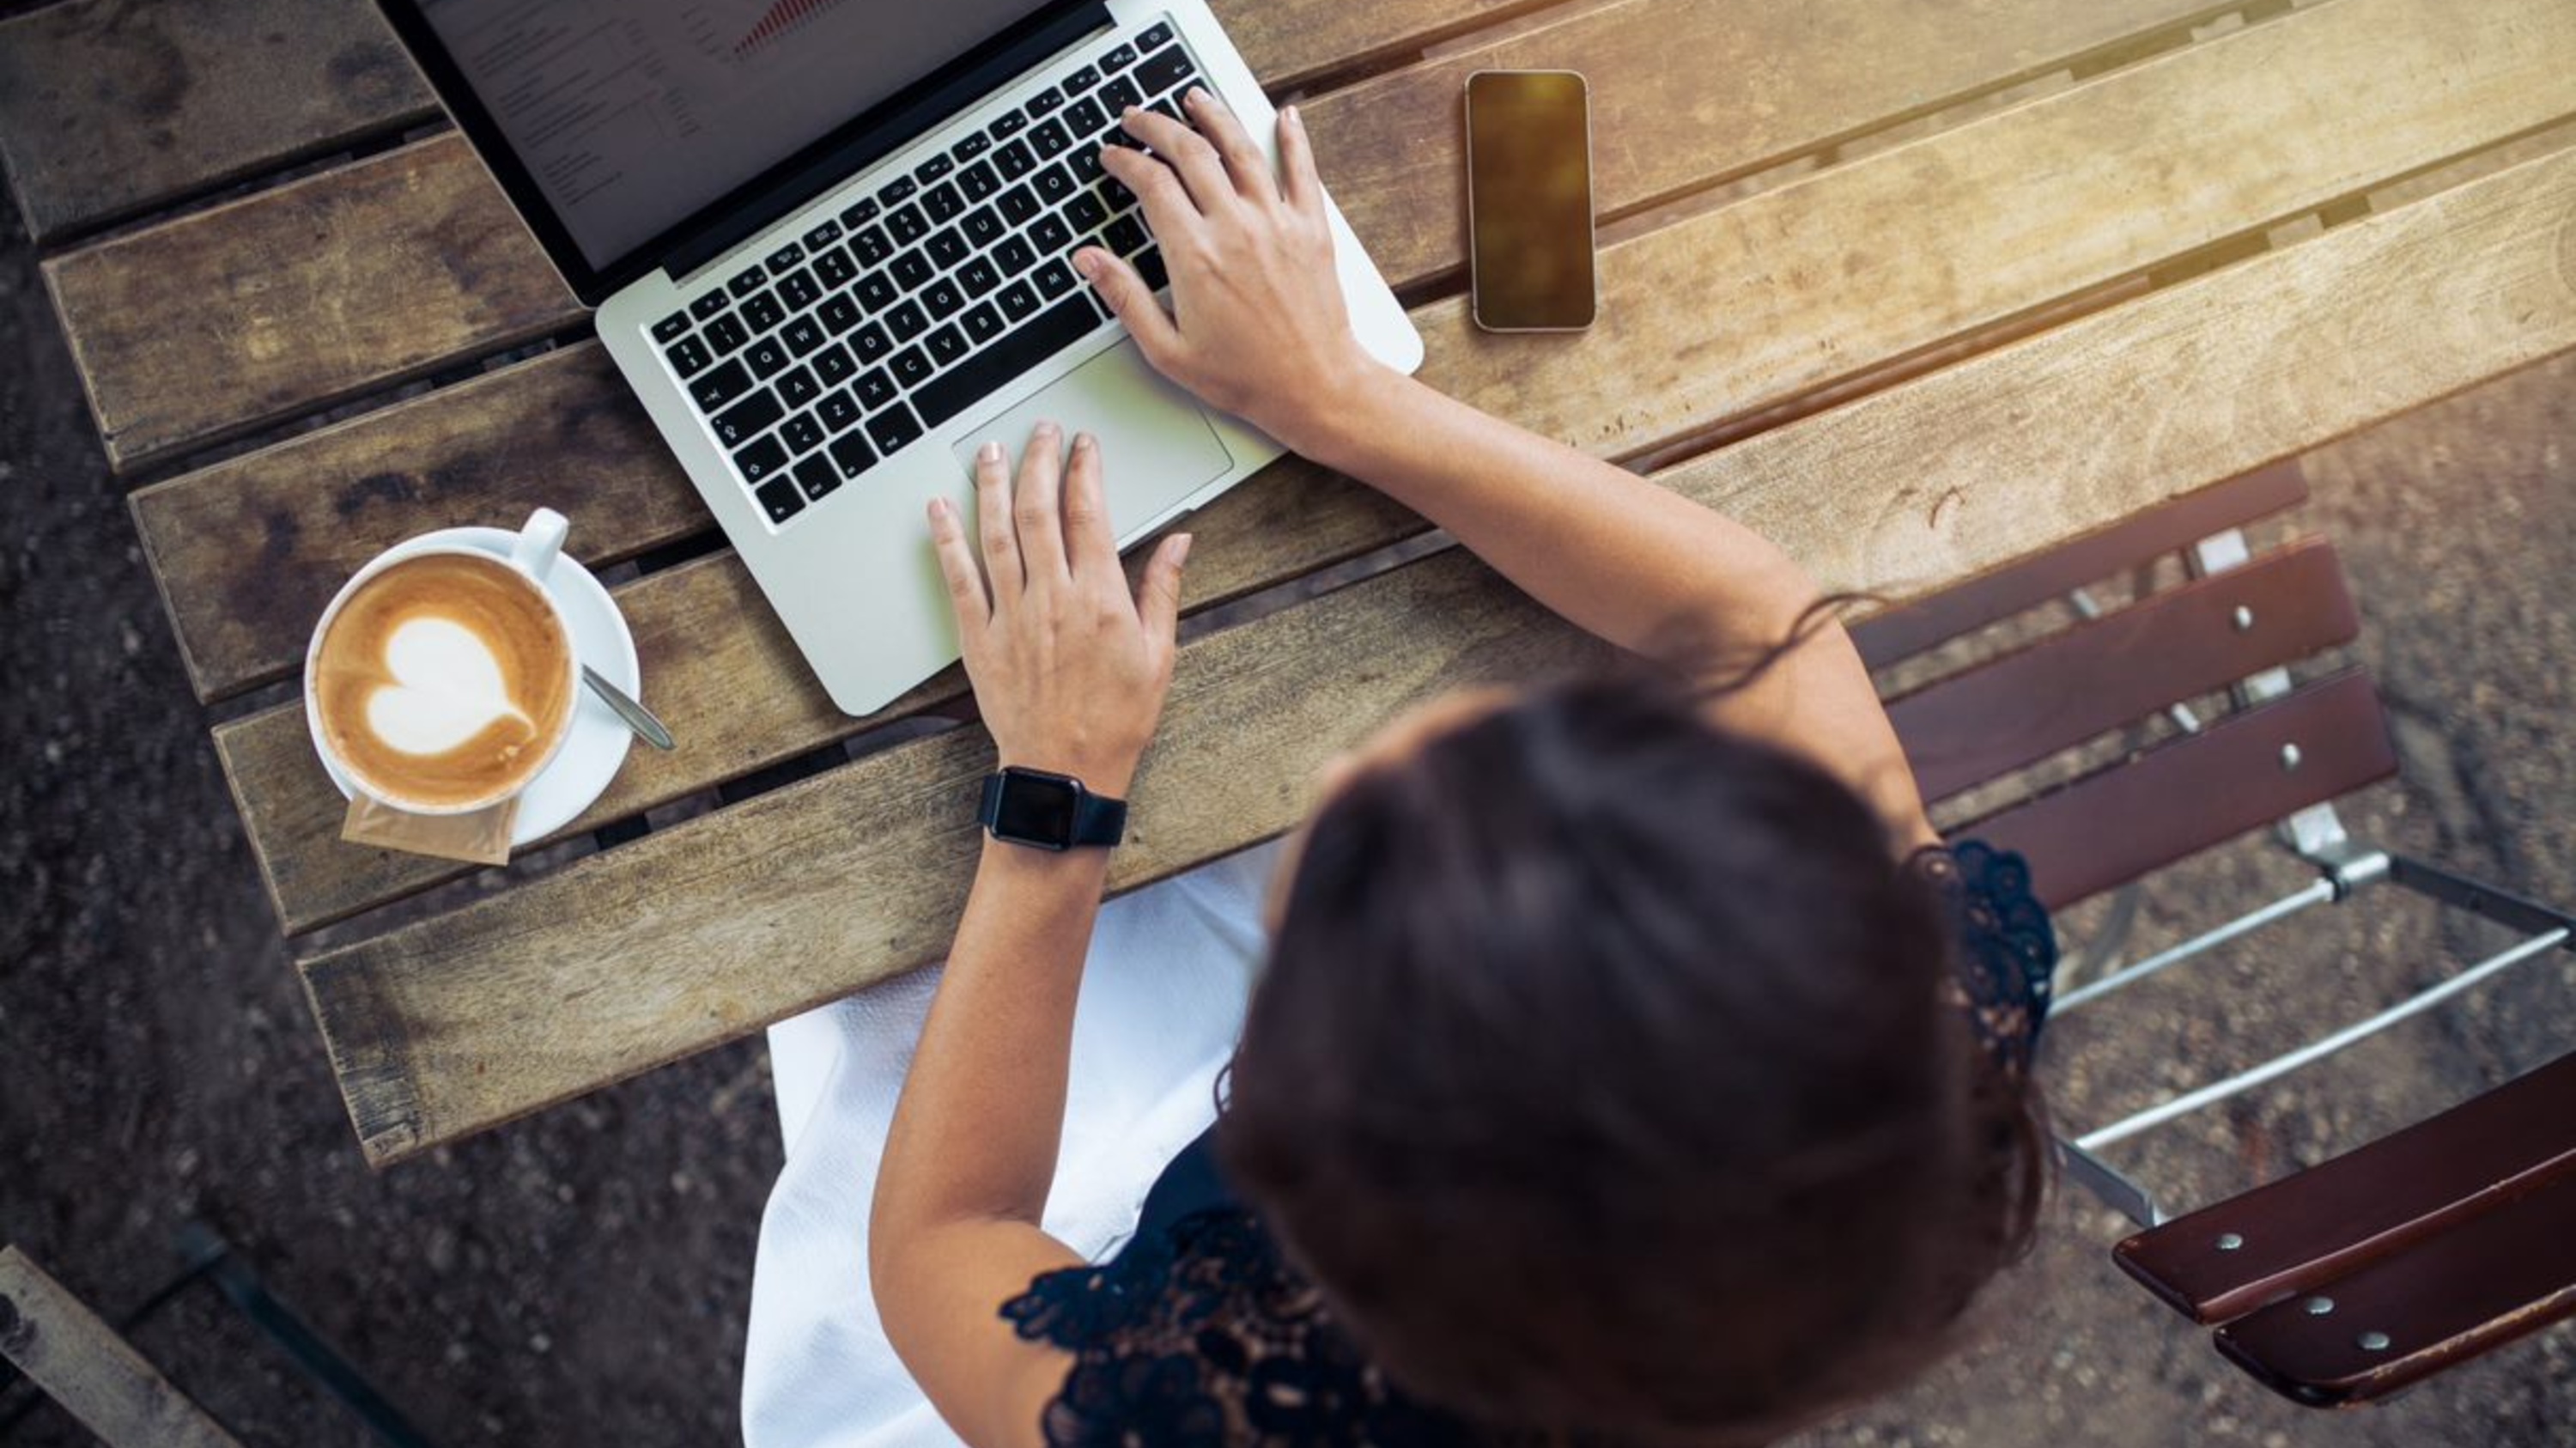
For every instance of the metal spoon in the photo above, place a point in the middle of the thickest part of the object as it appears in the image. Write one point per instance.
(637, 717)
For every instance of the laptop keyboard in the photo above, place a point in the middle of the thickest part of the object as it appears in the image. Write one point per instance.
(929, 292)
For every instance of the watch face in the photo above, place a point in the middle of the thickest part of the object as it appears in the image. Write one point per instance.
(1036, 807)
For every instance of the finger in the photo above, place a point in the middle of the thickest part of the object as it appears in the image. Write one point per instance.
(1187, 152)
(1135, 304)
(993, 525)
(1037, 508)
(1169, 211)
(1158, 594)
(1298, 182)
(1089, 545)
(1243, 161)
(974, 608)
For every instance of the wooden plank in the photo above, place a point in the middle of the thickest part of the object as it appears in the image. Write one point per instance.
(669, 945)
(1899, 633)
(207, 326)
(2182, 797)
(1762, 83)
(2295, 1233)
(108, 108)
(248, 551)
(1662, 370)
(2078, 683)
(97, 1376)
(1292, 46)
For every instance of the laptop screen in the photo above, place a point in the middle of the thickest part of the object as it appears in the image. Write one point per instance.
(631, 115)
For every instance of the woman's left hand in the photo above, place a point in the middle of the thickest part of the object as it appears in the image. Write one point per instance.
(1068, 668)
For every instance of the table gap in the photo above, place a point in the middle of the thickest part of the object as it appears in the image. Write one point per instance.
(341, 151)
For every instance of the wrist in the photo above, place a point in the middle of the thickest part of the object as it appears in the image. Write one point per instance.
(1324, 420)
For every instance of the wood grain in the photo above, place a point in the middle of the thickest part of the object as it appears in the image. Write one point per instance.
(248, 551)
(215, 323)
(2151, 176)
(78, 1361)
(700, 933)
(111, 107)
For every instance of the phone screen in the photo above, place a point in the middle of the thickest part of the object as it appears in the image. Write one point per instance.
(1529, 200)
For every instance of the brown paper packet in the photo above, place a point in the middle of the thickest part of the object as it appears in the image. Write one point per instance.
(479, 838)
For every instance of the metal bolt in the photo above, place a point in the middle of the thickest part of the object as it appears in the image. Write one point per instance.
(2244, 619)
(2373, 1342)
(2318, 1306)
(2229, 1241)
(2290, 758)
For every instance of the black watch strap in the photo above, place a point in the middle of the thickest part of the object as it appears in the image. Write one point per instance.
(1061, 815)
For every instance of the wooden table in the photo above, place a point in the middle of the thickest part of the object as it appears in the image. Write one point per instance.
(1916, 288)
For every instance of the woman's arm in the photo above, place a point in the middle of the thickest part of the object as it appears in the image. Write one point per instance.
(1258, 327)
(1070, 675)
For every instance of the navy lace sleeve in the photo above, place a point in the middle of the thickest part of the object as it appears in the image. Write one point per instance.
(2007, 949)
(1201, 1336)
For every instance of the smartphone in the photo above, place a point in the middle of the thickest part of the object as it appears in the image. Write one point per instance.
(1529, 200)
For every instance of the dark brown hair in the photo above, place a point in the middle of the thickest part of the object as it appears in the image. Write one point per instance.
(1607, 1079)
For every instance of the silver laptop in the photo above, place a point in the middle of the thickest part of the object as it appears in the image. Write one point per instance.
(830, 245)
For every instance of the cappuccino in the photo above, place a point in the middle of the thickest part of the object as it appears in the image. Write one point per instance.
(444, 682)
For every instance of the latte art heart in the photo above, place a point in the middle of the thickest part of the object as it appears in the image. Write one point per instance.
(447, 688)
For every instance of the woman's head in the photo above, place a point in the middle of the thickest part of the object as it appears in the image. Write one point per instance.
(1605, 1077)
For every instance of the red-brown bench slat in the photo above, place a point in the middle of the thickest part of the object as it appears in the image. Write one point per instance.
(2013, 711)
(2115, 825)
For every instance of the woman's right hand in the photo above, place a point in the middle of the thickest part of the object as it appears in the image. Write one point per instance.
(1257, 327)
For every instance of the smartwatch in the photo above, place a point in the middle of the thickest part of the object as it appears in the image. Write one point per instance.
(1049, 811)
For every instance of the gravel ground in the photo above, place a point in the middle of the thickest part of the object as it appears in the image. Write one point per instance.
(582, 1277)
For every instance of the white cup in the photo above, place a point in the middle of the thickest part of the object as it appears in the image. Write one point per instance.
(533, 553)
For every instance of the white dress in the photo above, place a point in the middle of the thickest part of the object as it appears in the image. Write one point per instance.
(1162, 1003)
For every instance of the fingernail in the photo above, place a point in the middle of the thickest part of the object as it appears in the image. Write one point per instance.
(1084, 442)
(1086, 262)
(1291, 117)
(990, 452)
(939, 510)
(1182, 555)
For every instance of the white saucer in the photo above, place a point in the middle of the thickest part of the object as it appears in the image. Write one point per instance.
(592, 755)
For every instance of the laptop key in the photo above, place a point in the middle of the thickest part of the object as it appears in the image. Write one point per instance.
(980, 376)
(833, 365)
(1055, 278)
(1085, 118)
(947, 248)
(1018, 204)
(906, 321)
(803, 335)
(911, 269)
(943, 203)
(871, 343)
(1050, 139)
(1118, 59)
(745, 283)
(911, 366)
(852, 455)
(907, 225)
(1044, 103)
(978, 276)
(785, 257)
(689, 356)
(1125, 236)
(1053, 184)
(726, 334)
(766, 357)
(798, 290)
(1085, 165)
(876, 289)
(892, 429)
(1086, 212)
(748, 418)
(817, 476)
(983, 226)
(1164, 70)
(797, 386)
(834, 268)
(802, 434)
(946, 345)
(1018, 300)
(840, 314)
(1155, 38)
(1011, 124)
(710, 304)
(822, 236)
(875, 388)
(983, 322)
(781, 500)
(932, 169)
(1114, 192)
(1015, 256)
(943, 297)
(859, 213)
(1167, 110)
(899, 189)
(762, 312)
(979, 181)
(715, 389)
(1117, 96)
(871, 246)
(761, 459)
(1081, 80)
(1149, 265)
(838, 410)
(1014, 161)
(671, 327)
(975, 144)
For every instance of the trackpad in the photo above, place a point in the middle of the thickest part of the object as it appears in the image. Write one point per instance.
(1156, 447)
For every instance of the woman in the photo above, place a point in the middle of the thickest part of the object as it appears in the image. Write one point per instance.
(1630, 1062)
